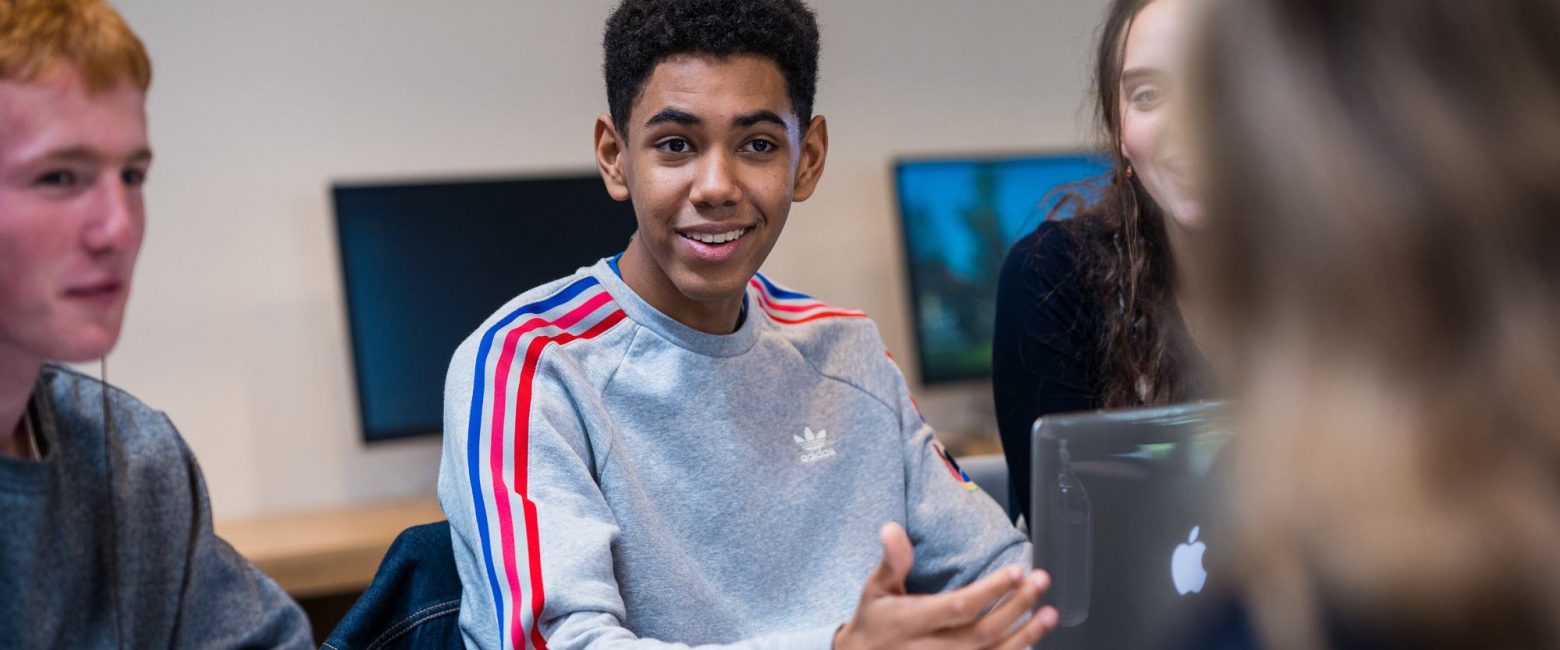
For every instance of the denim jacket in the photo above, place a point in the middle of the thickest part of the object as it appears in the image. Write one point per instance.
(414, 600)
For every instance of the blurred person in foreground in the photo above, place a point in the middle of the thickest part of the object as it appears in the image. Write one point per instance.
(107, 539)
(1382, 252)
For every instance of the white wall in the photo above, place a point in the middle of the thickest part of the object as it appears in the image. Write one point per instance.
(236, 327)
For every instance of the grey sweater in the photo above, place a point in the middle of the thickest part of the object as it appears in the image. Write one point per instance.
(127, 560)
(616, 479)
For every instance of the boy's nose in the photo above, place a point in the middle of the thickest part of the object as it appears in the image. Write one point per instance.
(716, 185)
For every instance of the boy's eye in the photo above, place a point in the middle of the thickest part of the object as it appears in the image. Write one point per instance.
(133, 177)
(56, 178)
(675, 145)
(761, 146)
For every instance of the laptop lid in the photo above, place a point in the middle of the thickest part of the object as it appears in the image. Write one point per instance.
(1125, 520)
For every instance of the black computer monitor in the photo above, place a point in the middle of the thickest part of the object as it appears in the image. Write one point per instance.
(425, 263)
(959, 216)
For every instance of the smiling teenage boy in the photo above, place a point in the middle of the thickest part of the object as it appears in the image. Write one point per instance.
(668, 448)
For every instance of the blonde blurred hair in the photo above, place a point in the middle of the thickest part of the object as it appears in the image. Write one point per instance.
(38, 35)
(1383, 255)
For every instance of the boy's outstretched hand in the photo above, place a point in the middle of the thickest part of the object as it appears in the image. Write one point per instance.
(963, 618)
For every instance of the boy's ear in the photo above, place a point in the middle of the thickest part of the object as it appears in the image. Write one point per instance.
(815, 148)
(609, 157)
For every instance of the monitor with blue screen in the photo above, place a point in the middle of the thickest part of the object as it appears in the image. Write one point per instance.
(959, 217)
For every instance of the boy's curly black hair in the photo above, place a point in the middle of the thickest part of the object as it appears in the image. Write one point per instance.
(641, 34)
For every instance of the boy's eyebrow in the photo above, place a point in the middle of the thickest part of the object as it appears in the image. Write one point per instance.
(755, 117)
(674, 116)
(678, 116)
(87, 155)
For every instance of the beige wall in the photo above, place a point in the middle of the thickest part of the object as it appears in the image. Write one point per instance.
(236, 326)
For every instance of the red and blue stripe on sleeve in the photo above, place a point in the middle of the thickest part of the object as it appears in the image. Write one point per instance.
(498, 440)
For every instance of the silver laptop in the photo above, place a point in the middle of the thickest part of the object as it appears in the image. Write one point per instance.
(1125, 519)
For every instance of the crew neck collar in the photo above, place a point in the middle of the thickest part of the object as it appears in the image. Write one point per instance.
(713, 345)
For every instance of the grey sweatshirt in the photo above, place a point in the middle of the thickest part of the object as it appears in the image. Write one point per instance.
(89, 560)
(616, 479)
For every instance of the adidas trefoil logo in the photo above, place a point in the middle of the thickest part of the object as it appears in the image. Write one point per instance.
(812, 441)
(815, 446)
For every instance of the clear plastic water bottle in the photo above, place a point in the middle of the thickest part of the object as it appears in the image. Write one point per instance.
(1071, 579)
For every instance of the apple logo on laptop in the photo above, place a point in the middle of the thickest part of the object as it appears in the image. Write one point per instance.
(1186, 565)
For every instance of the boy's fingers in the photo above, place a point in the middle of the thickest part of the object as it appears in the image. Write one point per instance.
(958, 607)
(1039, 625)
(997, 623)
(888, 579)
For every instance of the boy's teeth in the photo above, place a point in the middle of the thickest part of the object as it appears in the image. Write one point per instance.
(718, 239)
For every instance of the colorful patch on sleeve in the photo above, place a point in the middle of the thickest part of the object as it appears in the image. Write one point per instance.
(953, 468)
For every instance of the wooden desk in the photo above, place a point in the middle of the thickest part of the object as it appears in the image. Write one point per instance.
(326, 552)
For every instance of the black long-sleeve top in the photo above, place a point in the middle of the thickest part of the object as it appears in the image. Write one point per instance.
(1047, 356)
(1045, 353)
